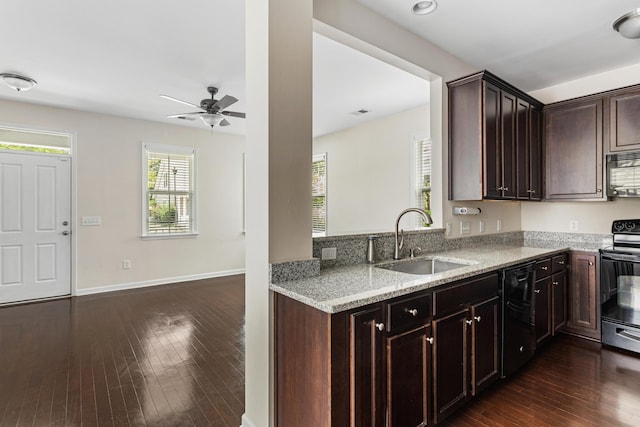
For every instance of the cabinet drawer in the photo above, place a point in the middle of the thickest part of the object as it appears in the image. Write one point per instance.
(543, 268)
(558, 263)
(408, 313)
(457, 297)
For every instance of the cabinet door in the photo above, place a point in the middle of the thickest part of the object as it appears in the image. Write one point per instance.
(559, 301)
(485, 344)
(584, 306)
(573, 142)
(535, 154)
(492, 143)
(508, 105)
(523, 148)
(450, 358)
(624, 127)
(408, 378)
(366, 341)
(542, 307)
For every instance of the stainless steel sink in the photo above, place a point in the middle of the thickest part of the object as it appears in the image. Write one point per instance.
(424, 266)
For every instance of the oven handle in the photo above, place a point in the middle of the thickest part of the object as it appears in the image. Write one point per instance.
(620, 257)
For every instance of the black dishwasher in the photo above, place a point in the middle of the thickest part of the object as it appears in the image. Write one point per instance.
(518, 328)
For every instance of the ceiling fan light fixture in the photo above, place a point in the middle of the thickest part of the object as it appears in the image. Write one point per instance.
(211, 119)
(18, 82)
(424, 7)
(628, 25)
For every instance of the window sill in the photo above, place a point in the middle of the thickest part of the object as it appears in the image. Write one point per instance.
(170, 236)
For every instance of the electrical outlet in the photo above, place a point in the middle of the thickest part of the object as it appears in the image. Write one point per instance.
(573, 225)
(329, 253)
(481, 227)
(499, 225)
(126, 264)
(465, 227)
(91, 220)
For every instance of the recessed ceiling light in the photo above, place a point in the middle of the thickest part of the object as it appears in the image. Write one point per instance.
(424, 7)
(18, 82)
(628, 25)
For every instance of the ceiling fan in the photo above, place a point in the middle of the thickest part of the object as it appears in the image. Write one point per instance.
(212, 111)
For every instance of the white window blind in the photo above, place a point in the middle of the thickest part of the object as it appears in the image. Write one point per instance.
(319, 195)
(423, 176)
(169, 193)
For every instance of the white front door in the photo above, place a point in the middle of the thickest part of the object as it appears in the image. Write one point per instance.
(35, 228)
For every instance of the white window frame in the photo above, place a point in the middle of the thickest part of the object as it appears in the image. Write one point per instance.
(177, 150)
(417, 186)
(316, 158)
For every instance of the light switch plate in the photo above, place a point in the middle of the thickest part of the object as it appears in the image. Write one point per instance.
(91, 220)
(329, 253)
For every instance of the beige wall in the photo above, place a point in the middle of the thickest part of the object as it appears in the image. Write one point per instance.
(107, 166)
(592, 217)
(370, 171)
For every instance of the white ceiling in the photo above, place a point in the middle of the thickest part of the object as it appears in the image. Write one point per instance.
(117, 57)
(531, 44)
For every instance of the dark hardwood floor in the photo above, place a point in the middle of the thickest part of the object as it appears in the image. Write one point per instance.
(174, 356)
(570, 382)
(163, 356)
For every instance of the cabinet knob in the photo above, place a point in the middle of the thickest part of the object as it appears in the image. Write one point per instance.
(500, 188)
(477, 318)
(380, 326)
(412, 311)
(590, 263)
(430, 340)
(544, 268)
(521, 349)
(561, 262)
(505, 188)
(469, 322)
(537, 291)
(555, 283)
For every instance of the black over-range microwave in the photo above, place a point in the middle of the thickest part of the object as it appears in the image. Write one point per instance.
(623, 174)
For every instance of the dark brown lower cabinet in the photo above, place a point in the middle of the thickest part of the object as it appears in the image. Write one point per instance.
(584, 295)
(485, 344)
(409, 378)
(450, 358)
(559, 301)
(542, 307)
(367, 387)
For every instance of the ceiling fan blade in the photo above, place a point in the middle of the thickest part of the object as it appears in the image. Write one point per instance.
(224, 122)
(234, 114)
(197, 113)
(224, 102)
(171, 98)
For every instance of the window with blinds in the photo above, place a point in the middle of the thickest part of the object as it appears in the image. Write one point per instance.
(423, 177)
(319, 195)
(168, 190)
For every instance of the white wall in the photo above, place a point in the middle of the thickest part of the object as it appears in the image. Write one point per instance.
(592, 217)
(107, 162)
(370, 171)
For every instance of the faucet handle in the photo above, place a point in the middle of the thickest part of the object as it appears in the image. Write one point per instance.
(412, 251)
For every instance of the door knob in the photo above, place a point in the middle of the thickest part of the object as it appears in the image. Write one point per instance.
(65, 222)
(65, 233)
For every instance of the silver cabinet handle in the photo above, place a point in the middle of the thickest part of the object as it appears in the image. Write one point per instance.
(65, 233)
(430, 340)
(505, 188)
(561, 262)
(412, 311)
(537, 291)
(469, 322)
(590, 263)
(544, 268)
(477, 318)
(380, 326)
(555, 283)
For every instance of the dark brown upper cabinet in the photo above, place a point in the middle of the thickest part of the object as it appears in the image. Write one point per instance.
(573, 147)
(624, 126)
(494, 140)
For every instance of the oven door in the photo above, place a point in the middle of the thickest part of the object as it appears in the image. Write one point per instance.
(620, 289)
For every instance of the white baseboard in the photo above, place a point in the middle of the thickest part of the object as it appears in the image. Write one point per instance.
(156, 282)
(246, 422)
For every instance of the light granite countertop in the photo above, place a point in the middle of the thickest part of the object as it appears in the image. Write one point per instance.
(343, 288)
